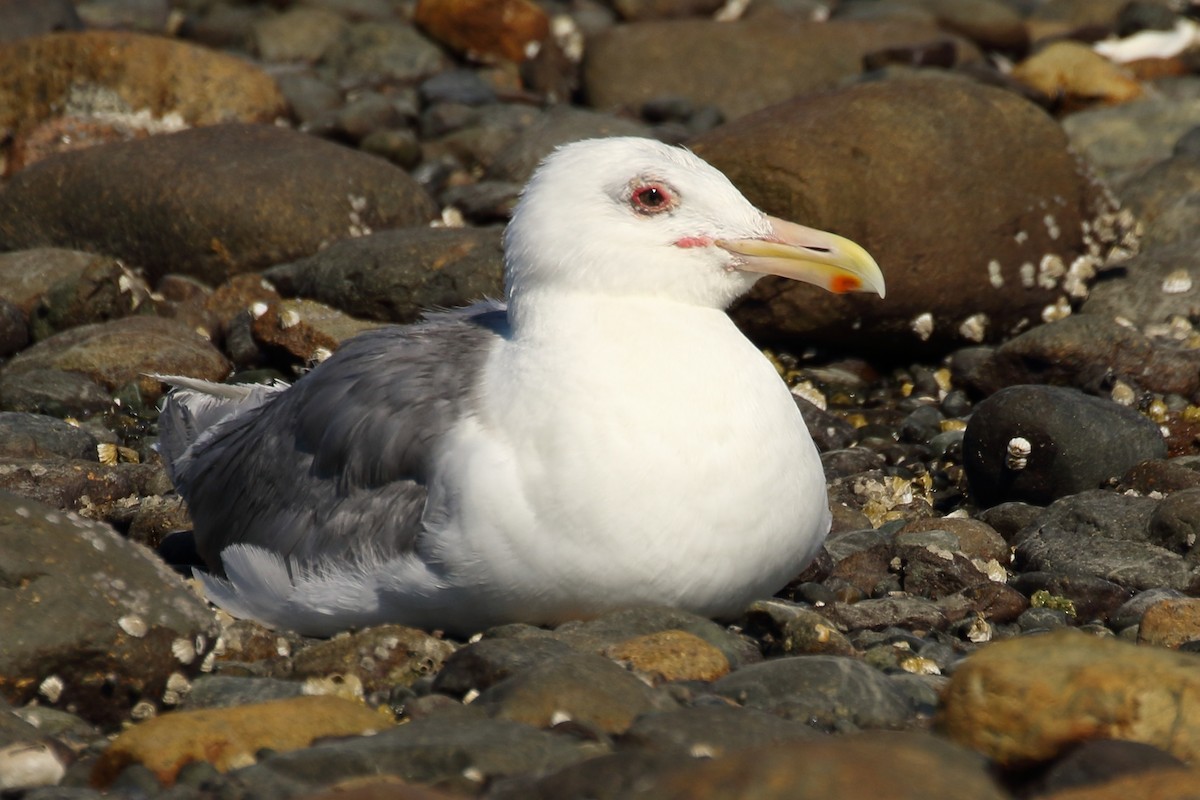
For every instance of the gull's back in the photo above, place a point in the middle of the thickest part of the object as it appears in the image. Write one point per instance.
(337, 464)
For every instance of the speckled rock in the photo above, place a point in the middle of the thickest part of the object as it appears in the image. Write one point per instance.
(1121, 140)
(1038, 443)
(120, 353)
(1159, 198)
(1086, 351)
(1171, 623)
(93, 623)
(762, 61)
(81, 74)
(229, 738)
(670, 656)
(1152, 287)
(305, 329)
(829, 692)
(396, 275)
(861, 767)
(1015, 248)
(179, 202)
(371, 51)
(381, 657)
(586, 689)
(1029, 698)
(486, 29)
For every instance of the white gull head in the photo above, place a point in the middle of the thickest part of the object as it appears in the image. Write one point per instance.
(651, 220)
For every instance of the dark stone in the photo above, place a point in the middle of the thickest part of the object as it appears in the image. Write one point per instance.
(20, 18)
(14, 333)
(884, 612)
(829, 431)
(1163, 476)
(1131, 611)
(829, 692)
(843, 463)
(1135, 292)
(599, 634)
(395, 275)
(1092, 763)
(1076, 442)
(37, 436)
(179, 202)
(1093, 598)
(1175, 523)
(485, 663)
(712, 730)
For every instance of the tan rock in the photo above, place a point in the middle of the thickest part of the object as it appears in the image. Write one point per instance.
(486, 29)
(1029, 698)
(1171, 622)
(1078, 75)
(115, 70)
(228, 738)
(381, 657)
(671, 656)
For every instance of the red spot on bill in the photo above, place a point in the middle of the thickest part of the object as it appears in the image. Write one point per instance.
(844, 283)
(694, 241)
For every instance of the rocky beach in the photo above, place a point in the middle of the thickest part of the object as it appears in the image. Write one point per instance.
(1008, 604)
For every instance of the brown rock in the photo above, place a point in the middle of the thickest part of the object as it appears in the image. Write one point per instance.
(115, 354)
(990, 24)
(486, 29)
(1076, 75)
(208, 202)
(228, 738)
(308, 330)
(1028, 699)
(79, 74)
(671, 656)
(903, 766)
(1171, 623)
(975, 538)
(381, 657)
(27, 275)
(852, 161)
(761, 61)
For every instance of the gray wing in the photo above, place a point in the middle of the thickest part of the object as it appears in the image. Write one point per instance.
(338, 463)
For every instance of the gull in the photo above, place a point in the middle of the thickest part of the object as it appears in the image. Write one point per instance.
(605, 438)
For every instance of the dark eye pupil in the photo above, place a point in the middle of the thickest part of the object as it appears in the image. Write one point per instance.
(651, 197)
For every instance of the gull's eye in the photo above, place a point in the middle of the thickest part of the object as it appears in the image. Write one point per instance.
(651, 198)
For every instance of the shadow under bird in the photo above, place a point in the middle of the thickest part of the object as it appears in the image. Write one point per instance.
(605, 438)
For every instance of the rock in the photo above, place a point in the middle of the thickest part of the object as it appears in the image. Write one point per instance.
(1121, 140)
(1159, 198)
(599, 634)
(904, 766)
(1151, 288)
(229, 738)
(1028, 699)
(425, 751)
(1175, 523)
(380, 788)
(581, 688)
(395, 275)
(485, 663)
(298, 34)
(395, 52)
(762, 62)
(105, 289)
(796, 630)
(1094, 764)
(382, 657)
(670, 656)
(20, 20)
(1171, 623)
(975, 538)
(713, 730)
(27, 276)
(230, 691)
(1130, 612)
(1164, 783)
(120, 353)
(305, 329)
(828, 692)
(1073, 74)
(487, 30)
(80, 74)
(836, 161)
(642, 10)
(1090, 597)
(14, 333)
(1163, 476)
(1106, 535)
(931, 565)
(1086, 351)
(558, 126)
(1039, 443)
(990, 24)
(37, 436)
(94, 624)
(179, 202)
(883, 612)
